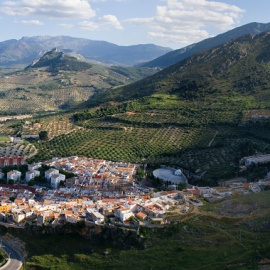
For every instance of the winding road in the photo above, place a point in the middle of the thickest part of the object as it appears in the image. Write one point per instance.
(15, 260)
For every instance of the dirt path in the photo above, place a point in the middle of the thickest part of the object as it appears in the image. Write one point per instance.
(34, 153)
(210, 143)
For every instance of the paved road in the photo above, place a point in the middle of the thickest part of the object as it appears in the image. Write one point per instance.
(15, 258)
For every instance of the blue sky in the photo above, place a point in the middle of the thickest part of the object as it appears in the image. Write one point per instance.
(172, 23)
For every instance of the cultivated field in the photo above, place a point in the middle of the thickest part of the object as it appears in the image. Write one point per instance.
(17, 150)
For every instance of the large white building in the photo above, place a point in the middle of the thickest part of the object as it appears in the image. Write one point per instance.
(56, 179)
(97, 217)
(31, 175)
(14, 175)
(50, 172)
(33, 166)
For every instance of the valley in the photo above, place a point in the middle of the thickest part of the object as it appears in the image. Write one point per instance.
(201, 115)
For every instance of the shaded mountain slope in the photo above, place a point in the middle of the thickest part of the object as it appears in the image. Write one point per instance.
(240, 66)
(183, 53)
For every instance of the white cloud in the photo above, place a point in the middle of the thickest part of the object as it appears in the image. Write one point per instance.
(31, 22)
(186, 21)
(56, 9)
(98, 1)
(103, 23)
(66, 25)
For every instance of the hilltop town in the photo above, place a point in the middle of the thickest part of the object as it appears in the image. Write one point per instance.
(102, 192)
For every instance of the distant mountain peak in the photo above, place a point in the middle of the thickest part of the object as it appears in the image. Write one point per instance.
(56, 60)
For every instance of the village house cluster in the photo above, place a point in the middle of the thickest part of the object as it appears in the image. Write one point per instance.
(100, 191)
(140, 206)
(15, 117)
(103, 192)
(55, 208)
(237, 187)
(95, 174)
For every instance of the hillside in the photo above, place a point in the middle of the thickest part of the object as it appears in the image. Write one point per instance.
(177, 55)
(57, 81)
(27, 49)
(58, 61)
(201, 114)
(238, 68)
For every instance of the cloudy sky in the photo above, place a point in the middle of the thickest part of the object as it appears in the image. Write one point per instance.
(172, 23)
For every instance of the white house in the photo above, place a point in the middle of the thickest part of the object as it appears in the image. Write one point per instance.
(125, 214)
(56, 207)
(14, 175)
(31, 175)
(259, 159)
(69, 166)
(203, 190)
(50, 172)
(72, 218)
(28, 212)
(223, 191)
(254, 188)
(97, 217)
(33, 166)
(56, 178)
(37, 173)
(18, 215)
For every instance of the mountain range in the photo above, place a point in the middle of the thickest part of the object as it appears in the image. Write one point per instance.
(175, 56)
(238, 66)
(28, 49)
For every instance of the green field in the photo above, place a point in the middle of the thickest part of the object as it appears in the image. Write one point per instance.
(4, 138)
(157, 130)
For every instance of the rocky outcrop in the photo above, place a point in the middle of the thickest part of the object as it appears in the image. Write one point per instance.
(120, 237)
